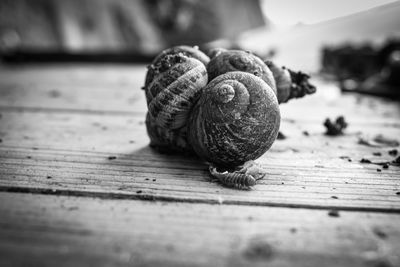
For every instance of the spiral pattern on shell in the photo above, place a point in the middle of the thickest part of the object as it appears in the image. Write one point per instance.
(172, 85)
(236, 119)
(224, 61)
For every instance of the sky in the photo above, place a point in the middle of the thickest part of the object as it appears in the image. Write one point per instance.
(291, 12)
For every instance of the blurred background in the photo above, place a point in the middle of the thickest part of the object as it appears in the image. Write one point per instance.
(343, 38)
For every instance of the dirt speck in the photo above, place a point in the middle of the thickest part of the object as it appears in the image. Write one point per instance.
(112, 157)
(393, 152)
(379, 233)
(334, 197)
(334, 213)
(385, 166)
(258, 250)
(139, 192)
(377, 154)
(281, 136)
(363, 160)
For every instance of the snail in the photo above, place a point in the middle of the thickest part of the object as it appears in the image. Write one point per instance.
(235, 120)
(237, 60)
(290, 84)
(225, 109)
(172, 84)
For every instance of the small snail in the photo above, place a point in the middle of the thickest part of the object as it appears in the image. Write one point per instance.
(225, 110)
(290, 84)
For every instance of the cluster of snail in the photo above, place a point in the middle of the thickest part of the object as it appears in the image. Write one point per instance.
(222, 106)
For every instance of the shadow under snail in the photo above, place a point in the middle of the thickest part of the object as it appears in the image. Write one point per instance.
(224, 109)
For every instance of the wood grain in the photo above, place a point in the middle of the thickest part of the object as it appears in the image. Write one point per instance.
(64, 122)
(38, 230)
(74, 136)
(117, 89)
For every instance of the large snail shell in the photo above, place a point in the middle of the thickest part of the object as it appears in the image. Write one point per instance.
(235, 120)
(237, 60)
(173, 84)
(173, 92)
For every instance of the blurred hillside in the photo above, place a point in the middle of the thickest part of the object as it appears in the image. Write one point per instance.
(300, 46)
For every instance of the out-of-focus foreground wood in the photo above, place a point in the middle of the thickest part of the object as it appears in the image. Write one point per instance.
(79, 185)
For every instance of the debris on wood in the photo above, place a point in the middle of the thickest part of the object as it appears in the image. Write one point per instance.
(335, 128)
(385, 166)
(393, 152)
(363, 160)
(281, 136)
(334, 213)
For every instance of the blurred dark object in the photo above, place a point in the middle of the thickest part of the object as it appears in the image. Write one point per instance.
(35, 56)
(194, 22)
(335, 128)
(52, 29)
(365, 69)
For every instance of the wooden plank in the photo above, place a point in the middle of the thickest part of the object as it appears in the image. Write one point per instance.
(99, 112)
(39, 230)
(116, 88)
(74, 150)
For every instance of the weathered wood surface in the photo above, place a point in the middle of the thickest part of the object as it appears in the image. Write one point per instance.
(59, 126)
(38, 230)
(66, 122)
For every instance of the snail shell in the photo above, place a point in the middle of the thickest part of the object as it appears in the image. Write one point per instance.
(173, 83)
(235, 120)
(167, 140)
(236, 60)
(154, 67)
(283, 81)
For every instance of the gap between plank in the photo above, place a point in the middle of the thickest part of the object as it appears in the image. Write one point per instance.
(149, 197)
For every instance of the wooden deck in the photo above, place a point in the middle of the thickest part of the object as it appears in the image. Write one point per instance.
(79, 185)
